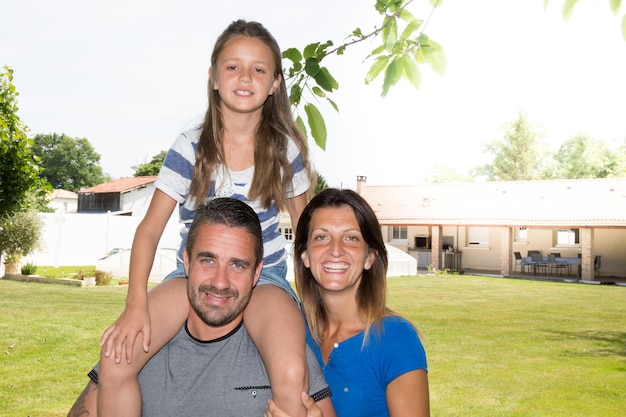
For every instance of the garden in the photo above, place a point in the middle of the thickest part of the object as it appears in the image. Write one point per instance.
(495, 346)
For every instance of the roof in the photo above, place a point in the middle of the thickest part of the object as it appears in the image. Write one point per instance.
(120, 185)
(59, 193)
(574, 203)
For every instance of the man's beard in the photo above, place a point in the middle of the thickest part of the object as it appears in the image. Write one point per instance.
(215, 316)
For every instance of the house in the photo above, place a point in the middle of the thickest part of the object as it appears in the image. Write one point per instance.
(63, 200)
(123, 196)
(479, 226)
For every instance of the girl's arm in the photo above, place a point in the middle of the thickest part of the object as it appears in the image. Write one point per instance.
(295, 206)
(407, 395)
(135, 319)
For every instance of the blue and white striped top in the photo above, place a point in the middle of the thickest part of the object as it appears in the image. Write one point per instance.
(175, 180)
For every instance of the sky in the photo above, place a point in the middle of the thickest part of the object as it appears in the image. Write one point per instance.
(129, 76)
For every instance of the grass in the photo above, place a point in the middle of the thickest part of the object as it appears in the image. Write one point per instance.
(496, 347)
(62, 271)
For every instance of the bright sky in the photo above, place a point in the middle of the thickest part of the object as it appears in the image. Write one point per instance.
(130, 75)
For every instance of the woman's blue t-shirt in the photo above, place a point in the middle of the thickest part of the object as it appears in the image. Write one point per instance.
(358, 375)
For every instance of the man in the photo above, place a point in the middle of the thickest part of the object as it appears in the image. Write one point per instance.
(211, 367)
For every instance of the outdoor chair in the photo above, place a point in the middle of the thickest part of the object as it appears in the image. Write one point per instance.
(518, 261)
(556, 266)
(539, 263)
(597, 263)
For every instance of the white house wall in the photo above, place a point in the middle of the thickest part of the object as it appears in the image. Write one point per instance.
(137, 200)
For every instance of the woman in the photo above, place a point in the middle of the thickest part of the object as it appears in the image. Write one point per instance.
(372, 358)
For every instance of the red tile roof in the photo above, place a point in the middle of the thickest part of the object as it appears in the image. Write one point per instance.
(120, 185)
(594, 202)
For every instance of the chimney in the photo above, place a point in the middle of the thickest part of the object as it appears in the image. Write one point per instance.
(361, 184)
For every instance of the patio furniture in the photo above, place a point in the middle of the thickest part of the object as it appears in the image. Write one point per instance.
(518, 261)
(539, 263)
(556, 266)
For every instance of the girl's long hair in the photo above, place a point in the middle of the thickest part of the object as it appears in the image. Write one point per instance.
(272, 172)
(371, 296)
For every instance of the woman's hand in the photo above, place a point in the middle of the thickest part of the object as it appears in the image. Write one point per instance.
(119, 338)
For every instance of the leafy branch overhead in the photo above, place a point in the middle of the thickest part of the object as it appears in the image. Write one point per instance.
(403, 46)
(614, 5)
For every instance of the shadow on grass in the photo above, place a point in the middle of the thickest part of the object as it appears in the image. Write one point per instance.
(604, 343)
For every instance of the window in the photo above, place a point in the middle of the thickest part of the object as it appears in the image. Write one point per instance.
(521, 234)
(399, 233)
(287, 232)
(567, 237)
(478, 237)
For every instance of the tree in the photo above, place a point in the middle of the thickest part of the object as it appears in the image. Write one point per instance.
(19, 172)
(321, 185)
(447, 174)
(516, 156)
(150, 168)
(402, 47)
(584, 157)
(20, 234)
(68, 163)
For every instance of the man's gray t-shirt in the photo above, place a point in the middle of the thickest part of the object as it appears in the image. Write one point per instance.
(222, 377)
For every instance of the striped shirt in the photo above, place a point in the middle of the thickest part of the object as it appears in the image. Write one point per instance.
(175, 180)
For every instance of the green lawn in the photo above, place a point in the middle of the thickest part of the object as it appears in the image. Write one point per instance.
(496, 347)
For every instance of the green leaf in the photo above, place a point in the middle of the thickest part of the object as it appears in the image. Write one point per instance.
(434, 55)
(321, 49)
(377, 51)
(332, 103)
(376, 69)
(615, 6)
(406, 15)
(295, 94)
(392, 76)
(411, 72)
(318, 92)
(325, 80)
(317, 125)
(411, 27)
(568, 8)
(309, 50)
(301, 125)
(312, 67)
(624, 27)
(390, 33)
(436, 3)
(292, 54)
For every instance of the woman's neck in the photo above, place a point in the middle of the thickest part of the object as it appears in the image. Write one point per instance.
(344, 320)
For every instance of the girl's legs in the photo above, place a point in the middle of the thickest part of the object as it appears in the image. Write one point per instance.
(118, 387)
(276, 326)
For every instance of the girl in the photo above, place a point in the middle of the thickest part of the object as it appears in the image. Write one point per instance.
(372, 358)
(247, 148)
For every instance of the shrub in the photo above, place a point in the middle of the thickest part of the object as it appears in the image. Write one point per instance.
(103, 278)
(81, 274)
(29, 269)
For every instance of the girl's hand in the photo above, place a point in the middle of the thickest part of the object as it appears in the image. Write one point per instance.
(119, 338)
(312, 409)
